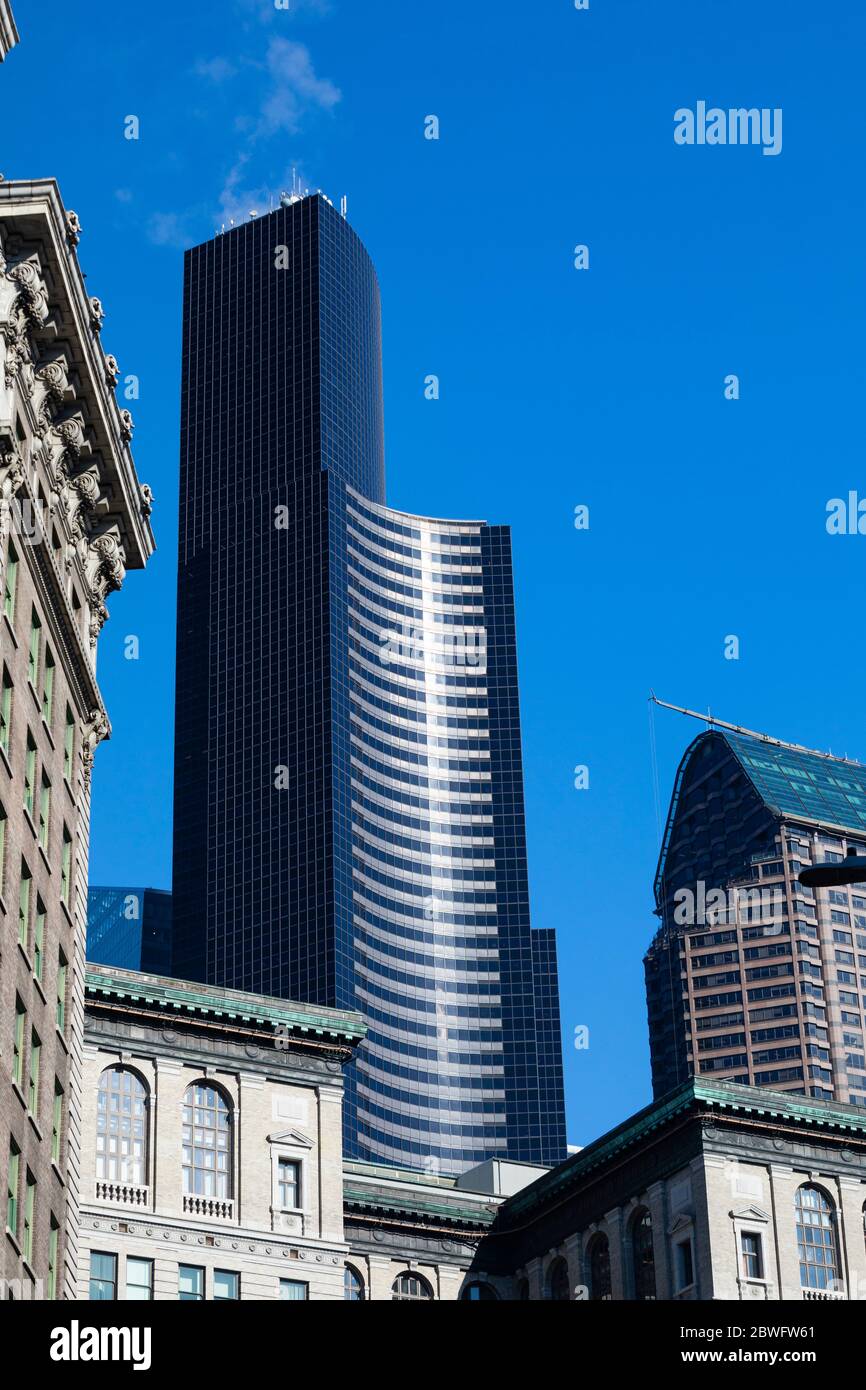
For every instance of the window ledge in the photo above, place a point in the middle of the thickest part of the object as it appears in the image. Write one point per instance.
(45, 860)
(28, 962)
(48, 734)
(30, 822)
(16, 1090)
(10, 629)
(57, 1173)
(35, 1126)
(36, 698)
(61, 1040)
(4, 760)
(13, 1240)
(38, 983)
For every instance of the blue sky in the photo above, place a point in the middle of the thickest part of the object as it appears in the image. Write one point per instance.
(558, 387)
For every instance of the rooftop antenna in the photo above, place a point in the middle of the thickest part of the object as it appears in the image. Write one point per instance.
(344, 205)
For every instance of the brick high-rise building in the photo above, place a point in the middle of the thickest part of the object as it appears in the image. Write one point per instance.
(753, 977)
(73, 519)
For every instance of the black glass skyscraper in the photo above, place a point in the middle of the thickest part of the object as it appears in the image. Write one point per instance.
(349, 822)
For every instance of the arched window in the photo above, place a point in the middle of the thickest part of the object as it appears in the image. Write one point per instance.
(207, 1142)
(599, 1270)
(817, 1245)
(121, 1127)
(558, 1283)
(643, 1257)
(410, 1288)
(479, 1293)
(353, 1285)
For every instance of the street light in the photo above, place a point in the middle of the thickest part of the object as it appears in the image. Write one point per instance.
(852, 869)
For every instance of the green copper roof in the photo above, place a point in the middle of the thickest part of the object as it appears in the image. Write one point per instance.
(235, 1006)
(801, 785)
(693, 1095)
(462, 1214)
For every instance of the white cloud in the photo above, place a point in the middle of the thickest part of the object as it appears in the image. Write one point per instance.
(215, 69)
(294, 88)
(169, 229)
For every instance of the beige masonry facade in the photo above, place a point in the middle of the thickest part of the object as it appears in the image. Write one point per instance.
(197, 1058)
(212, 1159)
(73, 520)
(716, 1192)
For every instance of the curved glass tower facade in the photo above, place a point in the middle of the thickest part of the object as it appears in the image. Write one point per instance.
(349, 823)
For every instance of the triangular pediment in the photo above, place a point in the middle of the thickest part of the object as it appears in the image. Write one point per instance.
(750, 1214)
(683, 1222)
(290, 1136)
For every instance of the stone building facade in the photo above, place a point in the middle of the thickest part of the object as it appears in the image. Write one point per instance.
(73, 519)
(716, 1192)
(212, 1159)
(8, 31)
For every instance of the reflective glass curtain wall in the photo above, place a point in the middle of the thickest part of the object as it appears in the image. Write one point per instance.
(349, 824)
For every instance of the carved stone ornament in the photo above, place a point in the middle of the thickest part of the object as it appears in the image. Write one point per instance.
(112, 370)
(73, 228)
(28, 312)
(146, 499)
(127, 425)
(96, 730)
(97, 314)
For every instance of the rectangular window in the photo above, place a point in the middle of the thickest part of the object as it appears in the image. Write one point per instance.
(18, 1043)
(35, 644)
(190, 1283)
(289, 1184)
(12, 1188)
(53, 1241)
(226, 1286)
(66, 867)
(57, 1124)
(30, 776)
(68, 745)
(103, 1276)
(39, 940)
(33, 1081)
(685, 1265)
(139, 1280)
(753, 1255)
(6, 712)
(24, 887)
(61, 992)
(29, 1217)
(44, 812)
(294, 1290)
(48, 688)
(10, 584)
